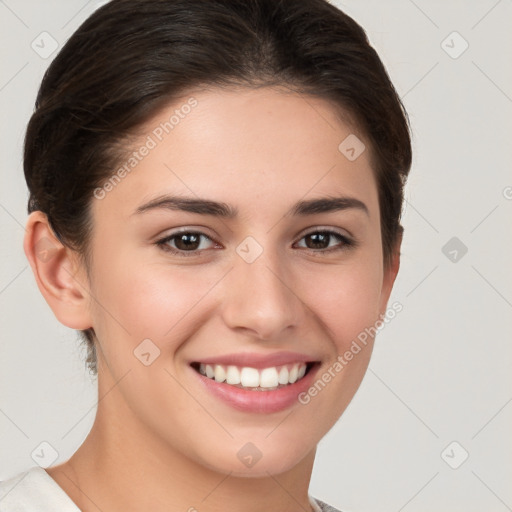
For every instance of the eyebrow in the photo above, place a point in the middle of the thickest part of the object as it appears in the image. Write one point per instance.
(224, 210)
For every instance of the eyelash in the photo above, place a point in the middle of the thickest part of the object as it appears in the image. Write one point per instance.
(346, 243)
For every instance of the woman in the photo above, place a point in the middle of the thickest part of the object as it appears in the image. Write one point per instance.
(215, 199)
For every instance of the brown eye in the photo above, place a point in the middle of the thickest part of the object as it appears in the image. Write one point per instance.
(320, 241)
(184, 243)
(187, 241)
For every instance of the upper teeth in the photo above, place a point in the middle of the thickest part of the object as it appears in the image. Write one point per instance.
(252, 377)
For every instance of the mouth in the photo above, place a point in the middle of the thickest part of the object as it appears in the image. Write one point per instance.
(256, 379)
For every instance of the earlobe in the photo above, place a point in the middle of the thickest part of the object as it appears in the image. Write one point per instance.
(58, 272)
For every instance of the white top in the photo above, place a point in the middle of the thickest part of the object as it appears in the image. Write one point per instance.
(36, 491)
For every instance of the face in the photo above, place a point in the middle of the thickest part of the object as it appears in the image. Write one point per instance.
(256, 288)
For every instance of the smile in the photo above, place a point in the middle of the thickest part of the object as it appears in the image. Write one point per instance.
(246, 377)
(255, 382)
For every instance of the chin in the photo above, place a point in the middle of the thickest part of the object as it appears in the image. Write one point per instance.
(251, 462)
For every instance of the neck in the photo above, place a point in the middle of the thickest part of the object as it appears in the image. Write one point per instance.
(123, 466)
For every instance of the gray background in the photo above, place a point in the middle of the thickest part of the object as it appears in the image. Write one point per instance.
(441, 369)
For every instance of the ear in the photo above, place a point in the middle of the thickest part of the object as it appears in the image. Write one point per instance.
(391, 272)
(59, 274)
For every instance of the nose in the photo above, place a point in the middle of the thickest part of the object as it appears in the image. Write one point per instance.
(260, 298)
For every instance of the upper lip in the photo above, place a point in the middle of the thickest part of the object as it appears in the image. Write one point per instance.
(255, 360)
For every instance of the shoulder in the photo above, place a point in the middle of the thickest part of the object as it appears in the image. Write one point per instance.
(34, 489)
(321, 506)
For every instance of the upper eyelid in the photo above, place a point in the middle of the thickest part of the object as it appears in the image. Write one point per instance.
(338, 231)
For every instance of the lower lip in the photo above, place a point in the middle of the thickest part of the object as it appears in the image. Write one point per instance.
(259, 401)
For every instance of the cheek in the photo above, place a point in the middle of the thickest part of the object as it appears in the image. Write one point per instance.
(137, 301)
(346, 300)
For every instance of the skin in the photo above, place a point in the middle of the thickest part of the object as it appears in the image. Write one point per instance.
(157, 432)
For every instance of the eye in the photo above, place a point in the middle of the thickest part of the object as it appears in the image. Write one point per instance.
(189, 243)
(320, 241)
(184, 242)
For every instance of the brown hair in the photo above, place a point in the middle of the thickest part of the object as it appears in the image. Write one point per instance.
(132, 57)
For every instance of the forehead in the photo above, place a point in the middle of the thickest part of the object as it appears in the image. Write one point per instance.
(260, 148)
